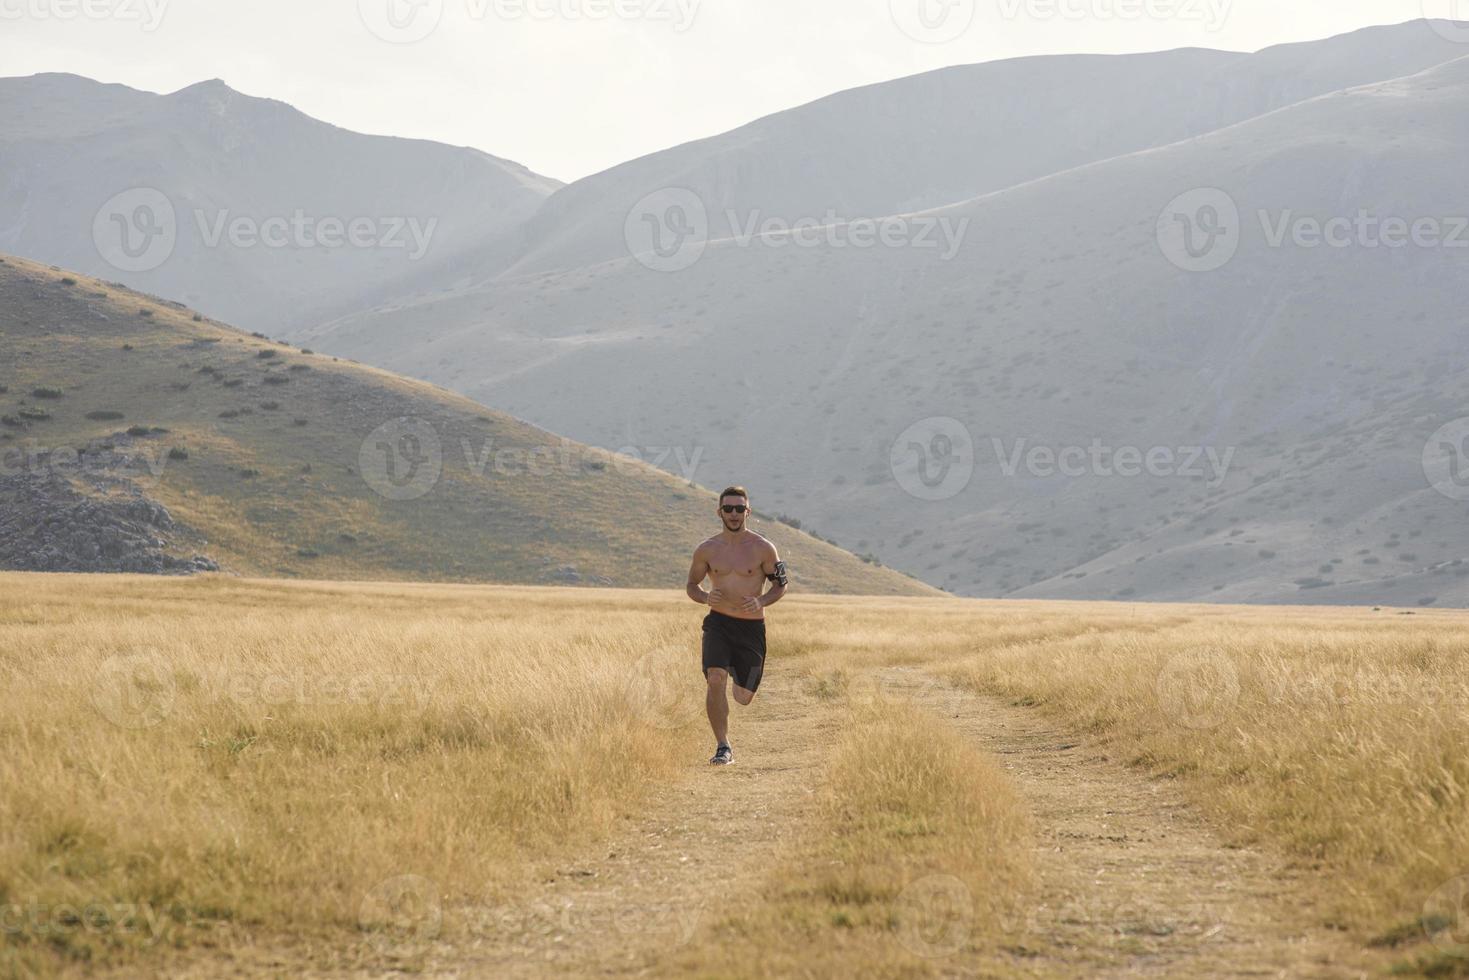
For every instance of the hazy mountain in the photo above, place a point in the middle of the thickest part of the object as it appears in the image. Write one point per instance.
(1061, 320)
(135, 436)
(277, 219)
(949, 135)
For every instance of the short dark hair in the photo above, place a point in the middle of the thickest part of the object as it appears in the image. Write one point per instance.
(735, 491)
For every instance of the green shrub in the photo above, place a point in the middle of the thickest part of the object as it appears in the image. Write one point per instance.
(105, 416)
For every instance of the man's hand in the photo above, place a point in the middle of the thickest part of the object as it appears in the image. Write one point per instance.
(752, 604)
(716, 597)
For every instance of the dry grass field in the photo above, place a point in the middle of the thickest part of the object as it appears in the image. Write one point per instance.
(220, 776)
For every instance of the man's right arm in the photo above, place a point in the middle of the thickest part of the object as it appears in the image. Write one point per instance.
(697, 571)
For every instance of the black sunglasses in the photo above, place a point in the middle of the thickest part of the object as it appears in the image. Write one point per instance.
(734, 508)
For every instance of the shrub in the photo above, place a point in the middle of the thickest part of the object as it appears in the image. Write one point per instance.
(105, 416)
(11, 421)
(249, 474)
(137, 430)
(230, 413)
(307, 350)
(178, 453)
(46, 393)
(270, 406)
(68, 281)
(145, 314)
(198, 318)
(300, 423)
(300, 367)
(277, 379)
(33, 414)
(266, 355)
(234, 382)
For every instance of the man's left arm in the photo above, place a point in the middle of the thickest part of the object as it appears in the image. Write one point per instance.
(775, 571)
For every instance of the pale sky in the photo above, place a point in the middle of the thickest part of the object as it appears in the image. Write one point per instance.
(570, 87)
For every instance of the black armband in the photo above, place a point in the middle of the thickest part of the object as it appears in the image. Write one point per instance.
(779, 576)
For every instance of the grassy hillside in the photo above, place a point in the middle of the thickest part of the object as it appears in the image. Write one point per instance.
(258, 451)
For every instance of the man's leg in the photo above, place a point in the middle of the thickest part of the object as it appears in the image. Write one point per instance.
(717, 704)
(743, 696)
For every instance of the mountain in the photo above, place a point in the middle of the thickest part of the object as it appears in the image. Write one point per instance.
(949, 135)
(242, 207)
(1070, 316)
(136, 435)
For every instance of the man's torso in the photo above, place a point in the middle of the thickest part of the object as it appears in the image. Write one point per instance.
(735, 570)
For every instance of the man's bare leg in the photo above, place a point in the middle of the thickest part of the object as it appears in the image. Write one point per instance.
(717, 704)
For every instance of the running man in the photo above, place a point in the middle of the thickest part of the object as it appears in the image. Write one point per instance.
(737, 561)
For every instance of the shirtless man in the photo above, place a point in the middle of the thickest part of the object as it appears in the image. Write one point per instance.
(737, 562)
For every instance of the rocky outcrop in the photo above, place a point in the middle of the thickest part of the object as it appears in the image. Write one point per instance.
(47, 525)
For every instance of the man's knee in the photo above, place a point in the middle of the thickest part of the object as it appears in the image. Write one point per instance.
(743, 696)
(717, 678)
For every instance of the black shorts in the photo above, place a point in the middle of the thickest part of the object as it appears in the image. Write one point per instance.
(735, 645)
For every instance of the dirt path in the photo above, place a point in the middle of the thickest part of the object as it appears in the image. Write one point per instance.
(1133, 881)
(645, 893)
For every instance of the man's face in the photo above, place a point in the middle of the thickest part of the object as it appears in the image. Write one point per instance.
(734, 520)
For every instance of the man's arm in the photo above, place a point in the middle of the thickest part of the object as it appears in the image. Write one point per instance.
(697, 571)
(768, 567)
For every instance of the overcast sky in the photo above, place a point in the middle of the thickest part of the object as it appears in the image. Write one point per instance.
(570, 87)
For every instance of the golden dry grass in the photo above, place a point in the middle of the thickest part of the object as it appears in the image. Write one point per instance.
(264, 759)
